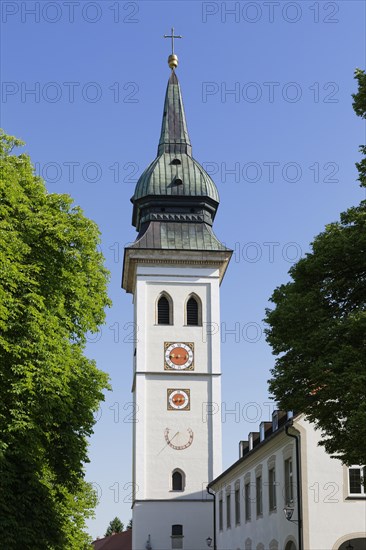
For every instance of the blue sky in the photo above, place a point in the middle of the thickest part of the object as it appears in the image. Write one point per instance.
(267, 91)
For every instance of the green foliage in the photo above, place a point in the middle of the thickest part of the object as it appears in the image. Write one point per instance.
(359, 106)
(318, 329)
(359, 98)
(129, 525)
(115, 526)
(52, 291)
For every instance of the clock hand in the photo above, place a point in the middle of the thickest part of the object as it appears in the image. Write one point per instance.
(165, 446)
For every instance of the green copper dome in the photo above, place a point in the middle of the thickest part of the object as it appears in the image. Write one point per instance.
(174, 184)
(175, 174)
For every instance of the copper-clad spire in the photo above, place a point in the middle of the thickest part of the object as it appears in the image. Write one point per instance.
(174, 136)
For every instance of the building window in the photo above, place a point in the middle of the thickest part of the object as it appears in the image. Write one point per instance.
(272, 489)
(237, 505)
(228, 510)
(178, 480)
(221, 522)
(258, 495)
(289, 484)
(177, 536)
(247, 502)
(165, 310)
(357, 480)
(193, 311)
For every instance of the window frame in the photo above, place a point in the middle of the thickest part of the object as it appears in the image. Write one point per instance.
(362, 482)
(228, 509)
(289, 481)
(177, 540)
(247, 501)
(221, 513)
(272, 489)
(199, 310)
(259, 494)
(183, 480)
(167, 296)
(237, 504)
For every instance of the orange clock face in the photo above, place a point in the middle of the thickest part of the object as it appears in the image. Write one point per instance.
(178, 356)
(178, 400)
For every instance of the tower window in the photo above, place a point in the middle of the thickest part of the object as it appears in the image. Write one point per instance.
(177, 536)
(178, 480)
(193, 311)
(176, 161)
(177, 530)
(164, 310)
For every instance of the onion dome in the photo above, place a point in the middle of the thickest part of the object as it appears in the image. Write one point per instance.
(174, 187)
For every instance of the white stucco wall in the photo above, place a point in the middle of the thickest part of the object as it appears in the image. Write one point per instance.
(154, 460)
(329, 516)
(271, 526)
(329, 513)
(156, 519)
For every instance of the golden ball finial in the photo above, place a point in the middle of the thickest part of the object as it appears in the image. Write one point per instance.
(173, 61)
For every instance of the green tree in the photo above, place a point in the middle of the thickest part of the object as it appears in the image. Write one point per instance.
(318, 329)
(359, 106)
(52, 292)
(129, 525)
(115, 526)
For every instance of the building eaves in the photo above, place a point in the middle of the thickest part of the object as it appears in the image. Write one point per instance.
(250, 454)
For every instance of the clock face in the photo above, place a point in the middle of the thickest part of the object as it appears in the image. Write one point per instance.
(178, 356)
(178, 400)
(178, 440)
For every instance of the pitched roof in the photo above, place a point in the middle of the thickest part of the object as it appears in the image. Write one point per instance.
(118, 541)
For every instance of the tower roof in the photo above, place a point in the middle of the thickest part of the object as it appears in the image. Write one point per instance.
(175, 201)
(174, 183)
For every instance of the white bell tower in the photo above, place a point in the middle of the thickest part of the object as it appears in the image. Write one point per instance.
(174, 270)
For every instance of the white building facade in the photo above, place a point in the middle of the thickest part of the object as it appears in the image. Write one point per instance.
(325, 500)
(174, 270)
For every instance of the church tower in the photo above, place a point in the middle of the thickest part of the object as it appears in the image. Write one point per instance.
(174, 270)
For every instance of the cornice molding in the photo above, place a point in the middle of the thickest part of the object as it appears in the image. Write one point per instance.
(204, 258)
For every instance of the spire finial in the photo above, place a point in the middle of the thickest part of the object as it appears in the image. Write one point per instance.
(173, 59)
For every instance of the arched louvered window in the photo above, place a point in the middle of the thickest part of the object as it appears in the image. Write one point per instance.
(193, 312)
(177, 481)
(164, 313)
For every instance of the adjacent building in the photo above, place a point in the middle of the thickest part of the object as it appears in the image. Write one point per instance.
(286, 493)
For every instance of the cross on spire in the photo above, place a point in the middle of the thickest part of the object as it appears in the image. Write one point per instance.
(172, 36)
